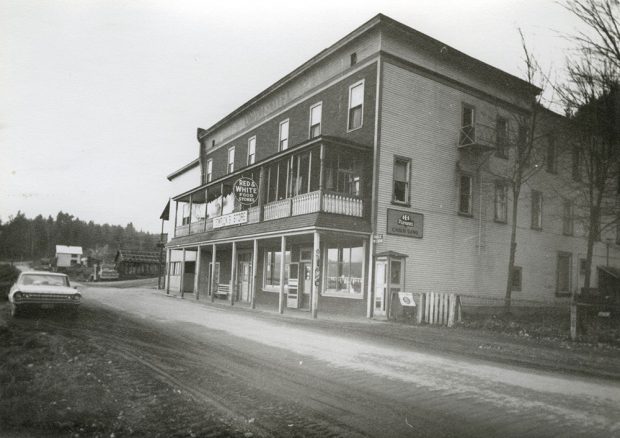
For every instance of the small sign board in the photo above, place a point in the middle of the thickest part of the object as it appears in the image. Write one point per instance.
(241, 217)
(406, 299)
(378, 238)
(405, 223)
(246, 190)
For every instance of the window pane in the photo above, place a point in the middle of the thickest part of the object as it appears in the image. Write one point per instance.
(400, 170)
(465, 194)
(315, 115)
(395, 272)
(357, 96)
(400, 191)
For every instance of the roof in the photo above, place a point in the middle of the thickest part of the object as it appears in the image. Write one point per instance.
(392, 254)
(134, 256)
(417, 38)
(62, 249)
(184, 169)
(45, 273)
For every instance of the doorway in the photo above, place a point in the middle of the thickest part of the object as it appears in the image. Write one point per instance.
(389, 281)
(244, 277)
(380, 287)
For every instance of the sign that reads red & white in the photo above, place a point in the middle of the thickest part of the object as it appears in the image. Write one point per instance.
(246, 190)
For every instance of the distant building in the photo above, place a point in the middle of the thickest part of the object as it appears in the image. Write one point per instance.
(137, 263)
(68, 255)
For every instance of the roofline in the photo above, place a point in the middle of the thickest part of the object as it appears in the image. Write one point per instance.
(184, 169)
(370, 24)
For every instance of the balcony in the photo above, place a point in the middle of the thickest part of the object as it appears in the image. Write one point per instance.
(477, 137)
(318, 201)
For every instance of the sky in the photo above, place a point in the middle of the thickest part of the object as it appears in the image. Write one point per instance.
(100, 99)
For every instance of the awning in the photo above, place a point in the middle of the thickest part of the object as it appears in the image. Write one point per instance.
(165, 215)
(392, 254)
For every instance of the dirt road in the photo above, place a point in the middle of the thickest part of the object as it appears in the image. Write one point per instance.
(169, 367)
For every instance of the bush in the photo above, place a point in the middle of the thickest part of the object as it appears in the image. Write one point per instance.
(8, 275)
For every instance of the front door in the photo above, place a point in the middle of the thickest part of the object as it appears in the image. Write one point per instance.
(245, 269)
(305, 283)
(380, 288)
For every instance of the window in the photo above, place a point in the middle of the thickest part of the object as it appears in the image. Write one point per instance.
(353, 58)
(231, 160)
(501, 204)
(563, 274)
(315, 120)
(401, 180)
(209, 169)
(551, 156)
(465, 195)
(343, 172)
(185, 214)
(272, 268)
(277, 178)
(537, 203)
(517, 279)
(522, 147)
(214, 275)
(576, 164)
(356, 105)
(468, 121)
(305, 170)
(501, 137)
(212, 143)
(283, 145)
(251, 150)
(567, 218)
(344, 270)
(174, 268)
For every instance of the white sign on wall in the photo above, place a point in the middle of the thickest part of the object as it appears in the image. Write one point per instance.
(241, 217)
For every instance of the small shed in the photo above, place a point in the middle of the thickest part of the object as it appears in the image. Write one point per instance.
(68, 255)
(138, 263)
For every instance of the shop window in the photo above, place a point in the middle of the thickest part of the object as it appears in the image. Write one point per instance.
(501, 202)
(537, 206)
(344, 270)
(251, 150)
(315, 120)
(517, 279)
(465, 195)
(563, 274)
(501, 137)
(283, 135)
(174, 268)
(401, 175)
(567, 218)
(271, 275)
(356, 106)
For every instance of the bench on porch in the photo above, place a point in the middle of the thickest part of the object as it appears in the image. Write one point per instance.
(222, 291)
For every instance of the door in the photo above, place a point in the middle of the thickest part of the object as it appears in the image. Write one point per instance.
(245, 269)
(292, 291)
(380, 287)
(305, 284)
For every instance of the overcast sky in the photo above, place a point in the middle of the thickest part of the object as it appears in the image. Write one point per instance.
(100, 100)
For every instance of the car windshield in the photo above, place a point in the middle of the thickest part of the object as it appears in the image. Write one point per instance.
(44, 280)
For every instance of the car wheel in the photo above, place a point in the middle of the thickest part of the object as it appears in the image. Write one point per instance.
(14, 311)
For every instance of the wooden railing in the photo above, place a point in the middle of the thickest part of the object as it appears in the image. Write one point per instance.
(342, 204)
(278, 209)
(182, 230)
(306, 203)
(253, 215)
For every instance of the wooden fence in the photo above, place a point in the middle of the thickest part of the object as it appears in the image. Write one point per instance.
(439, 309)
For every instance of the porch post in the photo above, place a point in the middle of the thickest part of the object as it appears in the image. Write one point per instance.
(321, 175)
(262, 190)
(369, 285)
(197, 273)
(233, 274)
(206, 201)
(316, 274)
(282, 266)
(191, 205)
(213, 283)
(176, 213)
(168, 261)
(254, 272)
(182, 274)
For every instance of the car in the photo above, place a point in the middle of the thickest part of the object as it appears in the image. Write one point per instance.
(46, 290)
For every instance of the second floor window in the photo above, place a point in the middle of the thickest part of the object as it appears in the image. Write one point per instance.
(209, 176)
(465, 194)
(251, 151)
(501, 204)
(400, 192)
(231, 160)
(567, 218)
(501, 137)
(356, 106)
(537, 206)
(468, 130)
(315, 120)
(283, 145)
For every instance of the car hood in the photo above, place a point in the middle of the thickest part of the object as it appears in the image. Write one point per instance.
(47, 289)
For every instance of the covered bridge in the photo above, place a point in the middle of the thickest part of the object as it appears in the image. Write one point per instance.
(140, 263)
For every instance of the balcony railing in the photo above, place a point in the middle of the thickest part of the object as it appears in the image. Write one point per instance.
(313, 202)
(477, 136)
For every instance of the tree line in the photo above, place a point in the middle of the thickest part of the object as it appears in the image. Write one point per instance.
(22, 238)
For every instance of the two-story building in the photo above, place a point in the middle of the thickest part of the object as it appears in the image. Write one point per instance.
(373, 168)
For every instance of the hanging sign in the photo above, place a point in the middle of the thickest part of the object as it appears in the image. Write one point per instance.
(246, 190)
(406, 299)
(405, 223)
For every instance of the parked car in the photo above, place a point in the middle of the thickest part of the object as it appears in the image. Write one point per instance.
(47, 290)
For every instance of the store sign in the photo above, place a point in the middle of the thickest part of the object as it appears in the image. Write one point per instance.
(240, 217)
(406, 299)
(405, 223)
(246, 190)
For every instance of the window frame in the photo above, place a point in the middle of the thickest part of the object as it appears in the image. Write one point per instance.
(251, 158)
(470, 212)
(361, 106)
(209, 171)
(407, 162)
(287, 254)
(325, 291)
(500, 185)
(320, 124)
(569, 256)
(280, 139)
(517, 270)
(462, 133)
(503, 148)
(230, 166)
(568, 226)
(536, 220)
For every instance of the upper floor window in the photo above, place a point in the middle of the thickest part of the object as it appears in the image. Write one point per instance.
(209, 170)
(468, 125)
(353, 58)
(283, 145)
(537, 205)
(567, 217)
(522, 146)
(517, 279)
(344, 172)
(465, 194)
(251, 151)
(552, 164)
(356, 105)
(315, 120)
(231, 160)
(400, 192)
(501, 204)
(501, 137)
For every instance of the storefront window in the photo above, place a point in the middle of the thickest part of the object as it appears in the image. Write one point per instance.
(272, 268)
(344, 270)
